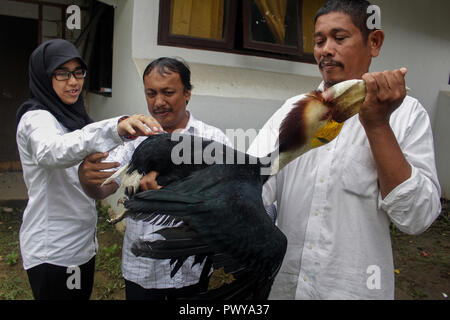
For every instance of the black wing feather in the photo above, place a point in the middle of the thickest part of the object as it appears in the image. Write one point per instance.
(223, 220)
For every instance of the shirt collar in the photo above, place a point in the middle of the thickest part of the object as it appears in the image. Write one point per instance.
(192, 126)
(321, 86)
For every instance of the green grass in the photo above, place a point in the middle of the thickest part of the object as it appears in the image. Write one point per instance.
(15, 288)
(108, 281)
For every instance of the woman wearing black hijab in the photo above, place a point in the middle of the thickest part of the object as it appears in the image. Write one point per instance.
(54, 134)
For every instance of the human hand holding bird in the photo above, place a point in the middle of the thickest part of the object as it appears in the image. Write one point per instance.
(385, 93)
(138, 125)
(148, 182)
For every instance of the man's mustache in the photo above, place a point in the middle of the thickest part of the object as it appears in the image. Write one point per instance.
(330, 62)
(161, 110)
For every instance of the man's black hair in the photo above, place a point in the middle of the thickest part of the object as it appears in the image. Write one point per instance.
(166, 65)
(356, 9)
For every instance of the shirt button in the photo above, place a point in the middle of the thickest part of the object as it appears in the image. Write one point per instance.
(316, 213)
(309, 246)
(305, 278)
(321, 180)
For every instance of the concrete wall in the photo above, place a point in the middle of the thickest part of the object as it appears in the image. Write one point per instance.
(442, 141)
(417, 37)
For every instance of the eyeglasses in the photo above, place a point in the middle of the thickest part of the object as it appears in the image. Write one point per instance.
(65, 75)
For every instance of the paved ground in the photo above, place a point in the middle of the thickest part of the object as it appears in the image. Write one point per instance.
(12, 187)
(13, 193)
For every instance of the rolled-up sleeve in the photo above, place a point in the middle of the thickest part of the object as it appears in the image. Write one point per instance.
(414, 205)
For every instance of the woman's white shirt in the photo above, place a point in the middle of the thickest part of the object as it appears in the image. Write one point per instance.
(59, 222)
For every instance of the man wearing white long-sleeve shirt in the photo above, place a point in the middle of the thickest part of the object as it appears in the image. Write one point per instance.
(335, 203)
(168, 91)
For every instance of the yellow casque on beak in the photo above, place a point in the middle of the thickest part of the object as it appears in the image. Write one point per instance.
(347, 98)
(326, 134)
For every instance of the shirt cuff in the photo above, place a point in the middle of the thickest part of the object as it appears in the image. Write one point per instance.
(401, 198)
(127, 137)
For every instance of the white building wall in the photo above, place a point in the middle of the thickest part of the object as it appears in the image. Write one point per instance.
(127, 89)
(418, 38)
(442, 142)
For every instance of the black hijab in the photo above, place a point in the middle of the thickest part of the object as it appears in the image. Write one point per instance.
(43, 61)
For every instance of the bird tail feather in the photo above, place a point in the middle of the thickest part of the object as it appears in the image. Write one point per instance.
(180, 243)
(153, 218)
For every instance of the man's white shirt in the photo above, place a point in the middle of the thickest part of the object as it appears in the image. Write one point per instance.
(153, 273)
(331, 210)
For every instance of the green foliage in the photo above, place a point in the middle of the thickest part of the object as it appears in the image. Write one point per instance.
(12, 258)
(110, 251)
(417, 294)
(15, 287)
(394, 230)
(102, 210)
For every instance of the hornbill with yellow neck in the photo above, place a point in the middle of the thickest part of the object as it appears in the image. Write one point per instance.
(218, 198)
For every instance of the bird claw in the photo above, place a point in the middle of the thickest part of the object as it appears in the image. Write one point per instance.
(131, 183)
(130, 190)
(117, 218)
(121, 201)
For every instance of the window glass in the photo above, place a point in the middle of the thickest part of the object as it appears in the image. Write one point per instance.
(309, 10)
(198, 18)
(274, 21)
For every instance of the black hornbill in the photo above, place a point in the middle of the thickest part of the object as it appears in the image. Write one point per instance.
(224, 222)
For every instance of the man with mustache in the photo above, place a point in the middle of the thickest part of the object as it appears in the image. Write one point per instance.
(336, 203)
(168, 91)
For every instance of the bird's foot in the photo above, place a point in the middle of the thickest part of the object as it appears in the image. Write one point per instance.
(121, 201)
(122, 213)
(118, 218)
(131, 183)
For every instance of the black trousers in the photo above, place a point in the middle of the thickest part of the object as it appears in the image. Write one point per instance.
(50, 282)
(133, 291)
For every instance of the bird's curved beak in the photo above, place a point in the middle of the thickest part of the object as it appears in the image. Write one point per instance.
(345, 98)
(325, 113)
